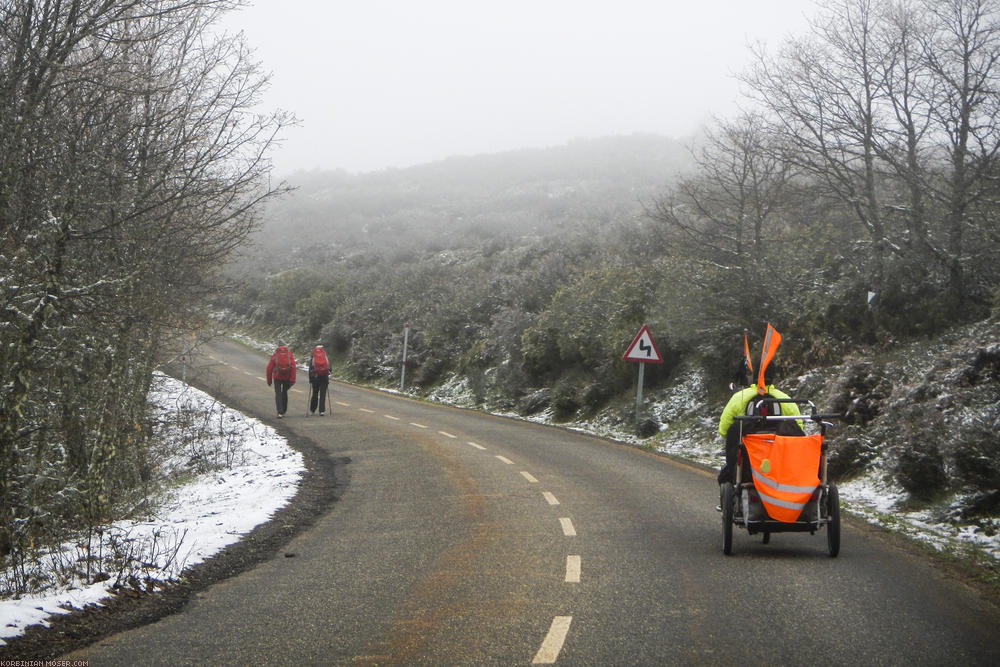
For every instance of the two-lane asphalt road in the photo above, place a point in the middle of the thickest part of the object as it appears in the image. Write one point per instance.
(462, 538)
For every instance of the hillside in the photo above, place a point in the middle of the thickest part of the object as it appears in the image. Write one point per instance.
(467, 202)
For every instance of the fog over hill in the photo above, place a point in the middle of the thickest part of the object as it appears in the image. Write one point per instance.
(467, 201)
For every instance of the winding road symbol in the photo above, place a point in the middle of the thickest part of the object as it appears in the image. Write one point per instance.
(643, 349)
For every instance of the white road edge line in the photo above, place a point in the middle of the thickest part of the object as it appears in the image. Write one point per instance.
(549, 498)
(477, 446)
(528, 476)
(567, 526)
(553, 643)
(505, 460)
(572, 569)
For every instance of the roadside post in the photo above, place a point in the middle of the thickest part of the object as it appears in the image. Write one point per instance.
(402, 370)
(643, 351)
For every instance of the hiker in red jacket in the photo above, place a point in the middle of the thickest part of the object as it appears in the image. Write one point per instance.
(281, 370)
(319, 380)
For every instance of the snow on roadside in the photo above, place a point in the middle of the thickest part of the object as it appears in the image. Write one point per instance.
(875, 499)
(196, 520)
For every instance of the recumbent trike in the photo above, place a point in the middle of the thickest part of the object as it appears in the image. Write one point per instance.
(782, 476)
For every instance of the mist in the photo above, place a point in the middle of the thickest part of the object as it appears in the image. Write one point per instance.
(389, 84)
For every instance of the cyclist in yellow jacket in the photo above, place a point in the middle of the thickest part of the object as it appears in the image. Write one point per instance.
(738, 405)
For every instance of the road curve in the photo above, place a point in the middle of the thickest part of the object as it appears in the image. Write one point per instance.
(462, 538)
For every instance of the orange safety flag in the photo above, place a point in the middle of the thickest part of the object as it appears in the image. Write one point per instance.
(785, 471)
(746, 352)
(772, 339)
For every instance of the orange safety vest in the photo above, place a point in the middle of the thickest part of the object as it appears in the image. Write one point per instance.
(785, 471)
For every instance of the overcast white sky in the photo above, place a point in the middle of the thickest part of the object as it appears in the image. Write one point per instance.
(393, 83)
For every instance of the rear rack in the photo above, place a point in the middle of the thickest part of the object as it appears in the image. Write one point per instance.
(811, 415)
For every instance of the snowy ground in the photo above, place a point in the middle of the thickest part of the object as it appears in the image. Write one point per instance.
(259, 474)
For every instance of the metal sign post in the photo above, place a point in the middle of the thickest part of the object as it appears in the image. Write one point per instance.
(402, 371)
(638, 391)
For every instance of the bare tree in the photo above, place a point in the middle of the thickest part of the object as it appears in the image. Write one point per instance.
(903, 142)
(893, 106)
(825, 94)
(131, 164)
(962, 50)
(728, 215)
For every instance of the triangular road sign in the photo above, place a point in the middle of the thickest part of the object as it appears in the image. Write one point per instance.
(643, 348)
